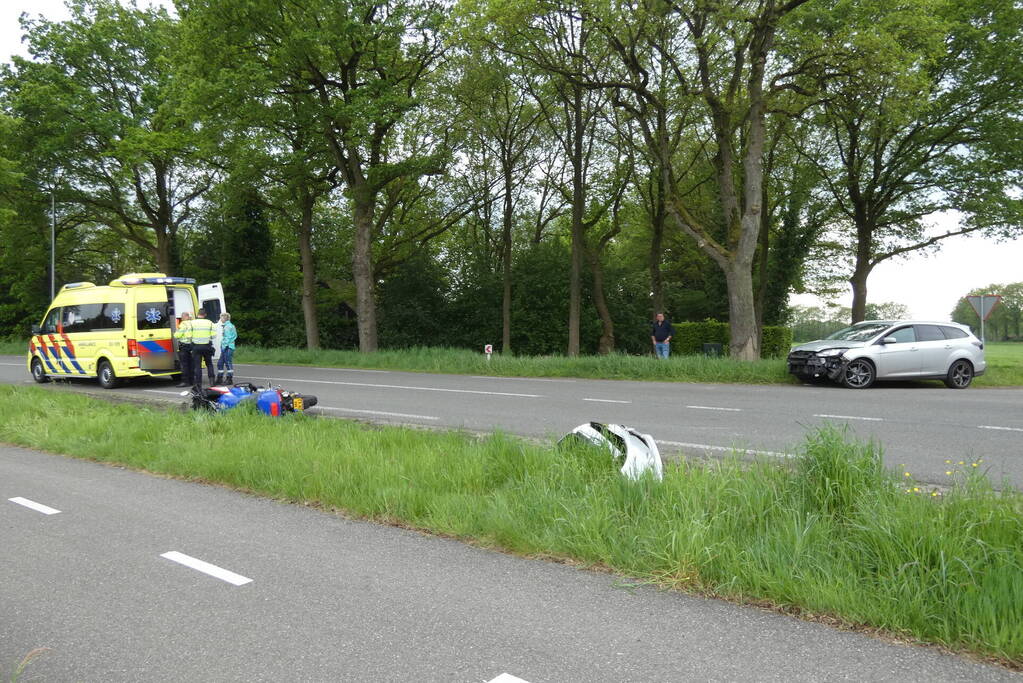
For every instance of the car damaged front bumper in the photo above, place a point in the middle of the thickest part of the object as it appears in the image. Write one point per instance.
(808, 365)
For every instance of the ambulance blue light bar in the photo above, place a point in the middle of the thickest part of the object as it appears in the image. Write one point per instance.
(76, 285)
(158, 281)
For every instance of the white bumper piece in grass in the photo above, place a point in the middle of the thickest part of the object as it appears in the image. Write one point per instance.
(638, 452)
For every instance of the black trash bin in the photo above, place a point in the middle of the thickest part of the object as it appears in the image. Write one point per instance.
(712, 349)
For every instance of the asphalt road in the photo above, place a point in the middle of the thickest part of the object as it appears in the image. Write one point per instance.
(310, 596)
(919, 425)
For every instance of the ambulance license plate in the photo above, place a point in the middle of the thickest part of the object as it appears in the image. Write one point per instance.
(298, 403)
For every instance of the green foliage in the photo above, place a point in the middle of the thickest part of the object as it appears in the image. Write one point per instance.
(690, 337)
(1005, 318)
(99, 119)
(413, 307)
(776, 342)
(835, 534)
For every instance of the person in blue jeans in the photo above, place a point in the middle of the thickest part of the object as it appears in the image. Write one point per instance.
(227, 339)
(660, 335)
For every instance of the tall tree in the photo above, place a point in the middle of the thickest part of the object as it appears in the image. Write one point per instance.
(504, 120)
(365, 65)
(98, 110)
(922, 118)
(721, 56)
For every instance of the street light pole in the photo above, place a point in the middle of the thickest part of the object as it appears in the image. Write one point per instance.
(53, 242)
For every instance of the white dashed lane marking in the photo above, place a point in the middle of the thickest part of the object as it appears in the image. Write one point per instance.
(507, 678)
(206, 568)
(407, 388)
(270, 367)
(724, 449)
(605, 400)
(38, 507)
(524, 379)
(852, 417)
(1002, 429)
(379, 412)
(729, 410)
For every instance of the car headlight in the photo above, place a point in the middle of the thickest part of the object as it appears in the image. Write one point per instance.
(828, 353)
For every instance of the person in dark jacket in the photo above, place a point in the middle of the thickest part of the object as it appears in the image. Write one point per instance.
(660, 335)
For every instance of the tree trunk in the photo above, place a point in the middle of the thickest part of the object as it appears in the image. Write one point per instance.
(305, 250)
(861, 271)
(657, 215)
(607, 327)
(578, 201)
(743, 343)
(364, 202)
(763, 250)
(506, 255)
(163, 253)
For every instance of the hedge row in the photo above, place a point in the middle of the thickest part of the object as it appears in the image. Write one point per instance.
(689, 338)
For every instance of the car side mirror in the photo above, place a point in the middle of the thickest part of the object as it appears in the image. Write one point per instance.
(889, 340)
(36, 330)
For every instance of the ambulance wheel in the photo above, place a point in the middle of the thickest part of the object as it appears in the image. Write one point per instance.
(38, 374)
(105, 373)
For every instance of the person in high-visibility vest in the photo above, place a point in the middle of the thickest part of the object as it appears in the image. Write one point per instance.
(202, 333)
(184, 336)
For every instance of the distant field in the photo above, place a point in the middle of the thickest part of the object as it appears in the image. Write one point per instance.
(1005, 364)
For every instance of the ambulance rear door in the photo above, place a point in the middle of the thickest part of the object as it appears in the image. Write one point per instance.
(154, 325)
(211, 300)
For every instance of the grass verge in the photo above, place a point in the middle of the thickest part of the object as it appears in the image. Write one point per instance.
(1005, 364)
(836, 536)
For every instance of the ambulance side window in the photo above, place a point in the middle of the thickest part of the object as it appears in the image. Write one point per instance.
(50, 325)
(81, 318)
(152, 316)
(110, 318)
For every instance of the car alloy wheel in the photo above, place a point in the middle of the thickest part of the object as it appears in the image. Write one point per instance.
(960, 375)
(859, 374)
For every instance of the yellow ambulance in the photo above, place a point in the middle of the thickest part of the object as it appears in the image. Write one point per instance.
(121, 330)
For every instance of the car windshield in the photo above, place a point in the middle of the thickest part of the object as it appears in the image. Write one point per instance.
(859, 332)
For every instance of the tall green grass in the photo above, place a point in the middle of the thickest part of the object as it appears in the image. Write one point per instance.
(834, 535)
(461, 361)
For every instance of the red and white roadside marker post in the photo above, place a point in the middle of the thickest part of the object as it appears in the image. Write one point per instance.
(488, 349)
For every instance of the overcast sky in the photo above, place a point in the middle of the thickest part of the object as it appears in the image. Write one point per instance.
(929, 285)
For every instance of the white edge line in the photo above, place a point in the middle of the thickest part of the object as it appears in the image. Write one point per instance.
(724, 449)
(379, 412)
(16, 365)
(605, 400)
(38, 507)
(730, 410)
(164, 391)
(206, 568)
(1003, 429)
(853, 417)
(507, 678)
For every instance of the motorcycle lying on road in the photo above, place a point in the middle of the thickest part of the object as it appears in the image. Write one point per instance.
(269, 400)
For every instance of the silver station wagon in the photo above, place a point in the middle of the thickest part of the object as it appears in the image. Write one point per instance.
(885, 350)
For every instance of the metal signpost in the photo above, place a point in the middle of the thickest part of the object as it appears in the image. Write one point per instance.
(983, 304)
